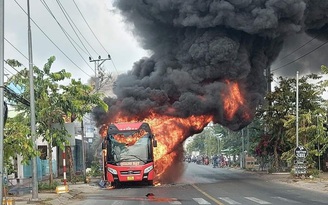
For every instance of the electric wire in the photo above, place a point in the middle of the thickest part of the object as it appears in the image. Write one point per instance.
(80, 33)
(12, 93)
(7, 71)
(114, 66)
(297, 49)
(17, 97)
(309, 41)
(15, 48)
(6, 61)
(316, 48)
(90, 27)
(94, 35)
(52, 41)
(70, 21)
(70, 39)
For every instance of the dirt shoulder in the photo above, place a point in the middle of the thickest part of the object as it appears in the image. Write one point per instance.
(319, 183)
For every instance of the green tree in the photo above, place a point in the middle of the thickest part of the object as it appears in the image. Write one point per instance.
(279, 113)
(16, 141)
(55, 102)
(197, 144)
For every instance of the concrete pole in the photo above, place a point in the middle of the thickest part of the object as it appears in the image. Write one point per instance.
(96, 77)
(242, 149)
(64, 164)
(318, 135)
(83, 150)
(297, 109)
(219, 146)
(97, 65)
(97, 87)
(2, 36)
(32, 107)
(247, 137)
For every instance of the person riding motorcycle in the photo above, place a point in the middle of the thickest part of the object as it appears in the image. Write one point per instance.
(215, 161)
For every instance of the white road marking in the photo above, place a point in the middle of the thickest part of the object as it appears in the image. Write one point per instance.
(201, 201)
(286, 200)
(174, 202)
(228, 200)
(259, 201)
(118, 203)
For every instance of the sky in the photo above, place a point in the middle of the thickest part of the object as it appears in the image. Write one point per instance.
(108, 35)
(301, 53)
(115, 38)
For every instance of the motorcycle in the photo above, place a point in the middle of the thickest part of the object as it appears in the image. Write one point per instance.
(206, 161)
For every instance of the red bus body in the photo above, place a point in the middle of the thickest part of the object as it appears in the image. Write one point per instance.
(128, 157)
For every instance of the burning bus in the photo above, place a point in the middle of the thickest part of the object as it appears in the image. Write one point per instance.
(128, 153)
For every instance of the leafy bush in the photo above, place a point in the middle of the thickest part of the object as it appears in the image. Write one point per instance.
(47, 186)
(77, 178)
(96, 170)
(313, 172)
(272, 170)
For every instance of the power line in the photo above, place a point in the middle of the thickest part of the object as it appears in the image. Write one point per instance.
(17, 97)
(79, 31)
(316, 48)
(95, 35)
(90, 27)
(115, 67)
(309, 41)
(70, 39)
(70, 21)
(8, 71)
(6, 61)
(52, 41)
(16, 49)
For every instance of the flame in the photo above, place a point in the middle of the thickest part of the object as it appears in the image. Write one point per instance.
(103, 130)
(232, 100)
(169, 132)
(131, 140)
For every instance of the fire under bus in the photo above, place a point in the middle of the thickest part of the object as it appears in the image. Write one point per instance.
(128, 153)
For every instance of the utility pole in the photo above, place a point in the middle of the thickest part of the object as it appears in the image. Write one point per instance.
(218, 137)
(268, 76)
(2, 37)
(83, 151)
(242, 160)
(97, 87)
(32, 107)
(318, 144)
(97, 66)
(297, 109)
(247, 137)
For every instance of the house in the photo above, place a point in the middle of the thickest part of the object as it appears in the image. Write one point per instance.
(74, 149)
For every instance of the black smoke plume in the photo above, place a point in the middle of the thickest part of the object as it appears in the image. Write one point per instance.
(197, 45)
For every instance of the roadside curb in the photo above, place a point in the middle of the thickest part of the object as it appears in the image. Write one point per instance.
(51, 197)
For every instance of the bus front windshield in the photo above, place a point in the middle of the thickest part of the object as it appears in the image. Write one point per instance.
(122, 152)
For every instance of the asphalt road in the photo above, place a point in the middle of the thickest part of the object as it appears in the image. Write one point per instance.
(206, 185)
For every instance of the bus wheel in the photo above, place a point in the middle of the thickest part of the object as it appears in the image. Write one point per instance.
(150, 183)
(116, 184)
